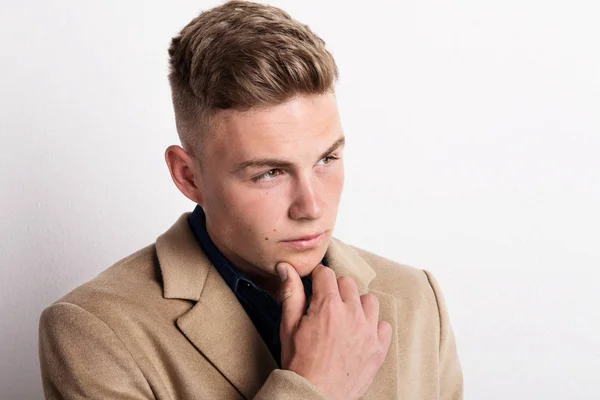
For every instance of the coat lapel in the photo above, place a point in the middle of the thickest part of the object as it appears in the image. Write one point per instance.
(221, 330)
(218, 326)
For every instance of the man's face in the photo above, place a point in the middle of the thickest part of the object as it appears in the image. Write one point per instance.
(272, 175)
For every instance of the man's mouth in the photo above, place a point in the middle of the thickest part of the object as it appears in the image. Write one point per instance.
(305, 242)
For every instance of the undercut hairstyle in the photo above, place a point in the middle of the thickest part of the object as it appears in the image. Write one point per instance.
(239, 56)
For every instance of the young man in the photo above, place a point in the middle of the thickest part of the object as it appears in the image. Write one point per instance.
(249, 296)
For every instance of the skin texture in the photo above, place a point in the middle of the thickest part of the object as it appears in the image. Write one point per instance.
(339, 345)
(248, 219)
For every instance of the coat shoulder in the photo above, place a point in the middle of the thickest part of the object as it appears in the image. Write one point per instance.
(403, 281)
(128, 283)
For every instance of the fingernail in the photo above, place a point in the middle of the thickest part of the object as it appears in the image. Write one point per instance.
(282, 271)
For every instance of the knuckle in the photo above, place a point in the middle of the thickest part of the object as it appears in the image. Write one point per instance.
(329, 302)
(369, 299)
(286, 293)
(346, 280)
(328, 272)
(321, 269)
(384, 333)
(370, 338)
(357, 315)
(386, 328)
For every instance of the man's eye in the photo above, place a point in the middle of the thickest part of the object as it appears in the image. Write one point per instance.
(270, 174)
(328, 160)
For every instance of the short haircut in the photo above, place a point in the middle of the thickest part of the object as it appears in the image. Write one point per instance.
(238, 56)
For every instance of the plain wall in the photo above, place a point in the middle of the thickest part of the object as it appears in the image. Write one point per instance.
(473, 133)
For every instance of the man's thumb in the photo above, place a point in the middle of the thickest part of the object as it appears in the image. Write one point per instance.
(292, 297)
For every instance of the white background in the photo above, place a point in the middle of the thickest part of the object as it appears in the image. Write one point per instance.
(473, 151)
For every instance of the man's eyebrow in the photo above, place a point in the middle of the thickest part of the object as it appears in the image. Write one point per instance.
(338, 143)
(282, 164)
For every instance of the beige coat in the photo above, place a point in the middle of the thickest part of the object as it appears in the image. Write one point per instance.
(162, 323)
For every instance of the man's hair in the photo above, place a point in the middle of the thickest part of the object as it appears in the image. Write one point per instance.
(238, 56)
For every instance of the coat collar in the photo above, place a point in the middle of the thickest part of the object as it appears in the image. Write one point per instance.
(217, 324)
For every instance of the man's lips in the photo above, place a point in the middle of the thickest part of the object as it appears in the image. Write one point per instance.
(305, 242)
(303, 238)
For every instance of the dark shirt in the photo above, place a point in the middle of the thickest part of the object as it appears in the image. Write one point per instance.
(261, 307)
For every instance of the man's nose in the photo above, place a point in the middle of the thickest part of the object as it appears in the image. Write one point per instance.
(307, 204)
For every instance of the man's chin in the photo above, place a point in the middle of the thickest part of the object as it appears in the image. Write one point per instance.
(305, 270)
(305, 263)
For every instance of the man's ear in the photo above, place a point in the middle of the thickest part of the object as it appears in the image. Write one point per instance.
(185, 173)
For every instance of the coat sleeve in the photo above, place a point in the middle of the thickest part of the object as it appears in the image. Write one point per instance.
(82, 358)
(450, 371)
(287, 385)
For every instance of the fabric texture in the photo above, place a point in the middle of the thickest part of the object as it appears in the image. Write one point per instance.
(260, 306)
(163, 324)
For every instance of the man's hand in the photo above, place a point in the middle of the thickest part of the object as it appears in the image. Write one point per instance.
(340, 344)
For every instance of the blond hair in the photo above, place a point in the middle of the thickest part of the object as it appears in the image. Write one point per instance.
(238, 56)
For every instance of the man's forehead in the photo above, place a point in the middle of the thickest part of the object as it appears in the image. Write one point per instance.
(264, 132)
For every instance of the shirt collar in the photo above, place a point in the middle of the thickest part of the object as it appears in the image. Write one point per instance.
(231, 275)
